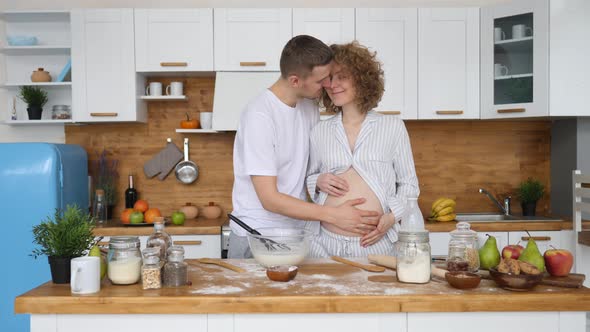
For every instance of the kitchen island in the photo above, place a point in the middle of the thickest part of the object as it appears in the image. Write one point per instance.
(324, 296)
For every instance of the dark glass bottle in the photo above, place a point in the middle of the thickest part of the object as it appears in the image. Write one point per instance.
(130, 194)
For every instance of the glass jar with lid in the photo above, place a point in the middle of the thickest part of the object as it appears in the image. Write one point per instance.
(151, 277)
(463, 254)
(61, 112)
(124, 260)
(160, 239)
(413, 257)
(175, 269)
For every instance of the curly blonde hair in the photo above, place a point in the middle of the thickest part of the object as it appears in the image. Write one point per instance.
(365, 71)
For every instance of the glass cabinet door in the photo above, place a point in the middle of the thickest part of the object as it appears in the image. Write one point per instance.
(514, 59)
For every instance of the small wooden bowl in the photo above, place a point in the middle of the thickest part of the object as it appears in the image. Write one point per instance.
(281, 273)
(515, 282)
(462, 279)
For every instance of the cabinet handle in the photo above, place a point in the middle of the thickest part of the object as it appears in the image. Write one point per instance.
(390, 112)
(188, 243)
(253, 64)
(173, 64)
(449, 112)
(104, 114)
(536, 238)
(512, 110)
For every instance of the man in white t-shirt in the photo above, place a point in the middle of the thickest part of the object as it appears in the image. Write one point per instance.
(271, 151)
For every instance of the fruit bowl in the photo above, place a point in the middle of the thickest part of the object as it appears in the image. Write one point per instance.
(515, 282)
(280, 246)
(462, 279)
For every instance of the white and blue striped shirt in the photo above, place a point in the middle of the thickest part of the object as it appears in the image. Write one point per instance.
(382, 157)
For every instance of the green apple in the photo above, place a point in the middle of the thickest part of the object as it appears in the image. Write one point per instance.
(136, 217)
(178, 218)
(95, 251)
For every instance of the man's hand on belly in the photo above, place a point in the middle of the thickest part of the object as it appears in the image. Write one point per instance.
(351, 219)
(385, 223)
(332, 185)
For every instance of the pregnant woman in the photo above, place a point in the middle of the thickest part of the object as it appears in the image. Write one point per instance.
(359, 153)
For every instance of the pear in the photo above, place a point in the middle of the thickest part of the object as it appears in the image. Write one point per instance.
(95, 251)
(531, 254)
(489, 255)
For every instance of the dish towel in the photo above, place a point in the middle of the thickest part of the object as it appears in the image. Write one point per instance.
(163, 162)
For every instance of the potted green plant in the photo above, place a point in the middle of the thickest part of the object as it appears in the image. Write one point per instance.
(65, 236)
(529, 192)
(36, 98)
(105, 177)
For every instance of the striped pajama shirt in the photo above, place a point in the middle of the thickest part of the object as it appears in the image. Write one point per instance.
(382, 157)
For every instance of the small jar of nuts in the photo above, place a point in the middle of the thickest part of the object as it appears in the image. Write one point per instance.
(151, 277)
(463, 254)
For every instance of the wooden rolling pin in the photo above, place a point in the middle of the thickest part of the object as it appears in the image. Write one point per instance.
(391, 262)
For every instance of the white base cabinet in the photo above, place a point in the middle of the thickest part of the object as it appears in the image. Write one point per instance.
(351, 322)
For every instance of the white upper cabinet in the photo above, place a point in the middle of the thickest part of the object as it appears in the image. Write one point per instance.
(393, 34)
(569, 54)
(448, 62)
(103, 67)
(330, 25)
(174, 40)
(250, 39)
(514, 60)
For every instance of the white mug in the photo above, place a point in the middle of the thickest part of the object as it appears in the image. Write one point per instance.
(174, 89)
(520, 31)
(500, 70)
(85, 275)
(154, 89)
(206, 118)
(499, 34)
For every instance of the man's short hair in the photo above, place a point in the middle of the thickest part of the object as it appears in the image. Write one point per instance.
(302, 53)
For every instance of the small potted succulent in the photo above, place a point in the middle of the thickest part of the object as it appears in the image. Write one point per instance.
(65, 236)
(35, 98)
(529, 192)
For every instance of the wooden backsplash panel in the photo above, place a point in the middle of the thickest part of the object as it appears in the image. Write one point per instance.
(453, 158)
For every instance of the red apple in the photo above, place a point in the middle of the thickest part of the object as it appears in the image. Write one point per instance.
(512, 251)
(558, 262)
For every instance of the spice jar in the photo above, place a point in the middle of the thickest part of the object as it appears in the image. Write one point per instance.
(150, 273)
(175, 269)
(463, 254)
(413, 257)
(61, 112)
(124, 260)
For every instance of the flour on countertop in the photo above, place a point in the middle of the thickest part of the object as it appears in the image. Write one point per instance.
(217, 290)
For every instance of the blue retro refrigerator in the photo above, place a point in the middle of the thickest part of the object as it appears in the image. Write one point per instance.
(35, 179)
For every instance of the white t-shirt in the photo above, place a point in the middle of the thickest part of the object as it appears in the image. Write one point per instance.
(272, 140)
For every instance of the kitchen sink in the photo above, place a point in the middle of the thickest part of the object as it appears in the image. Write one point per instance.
(492, 217)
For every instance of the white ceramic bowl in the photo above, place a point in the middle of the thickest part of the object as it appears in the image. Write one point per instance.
(290, 246)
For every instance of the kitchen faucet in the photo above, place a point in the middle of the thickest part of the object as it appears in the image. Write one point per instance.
(505, 209)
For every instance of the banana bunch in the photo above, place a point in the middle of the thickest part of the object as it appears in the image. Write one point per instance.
(443, 209)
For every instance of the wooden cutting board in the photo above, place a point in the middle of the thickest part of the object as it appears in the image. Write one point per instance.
(573, 280)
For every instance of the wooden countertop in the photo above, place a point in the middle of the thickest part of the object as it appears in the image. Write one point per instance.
(321, 286)
(199, 226)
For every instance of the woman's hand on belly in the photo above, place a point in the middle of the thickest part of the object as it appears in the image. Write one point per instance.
(332, 185)
(385, 223)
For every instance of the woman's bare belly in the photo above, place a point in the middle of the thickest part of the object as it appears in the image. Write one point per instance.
(357, 188)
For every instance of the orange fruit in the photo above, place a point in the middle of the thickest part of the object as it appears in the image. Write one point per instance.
(125, 215)
(151, 214)
(141, 206)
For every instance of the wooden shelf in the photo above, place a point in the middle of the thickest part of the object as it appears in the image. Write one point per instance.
(197, 131)
(163, 98)
(17, 84)
(508, 77)
(37, 122)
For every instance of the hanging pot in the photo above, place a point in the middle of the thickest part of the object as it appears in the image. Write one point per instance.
(186, 171)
